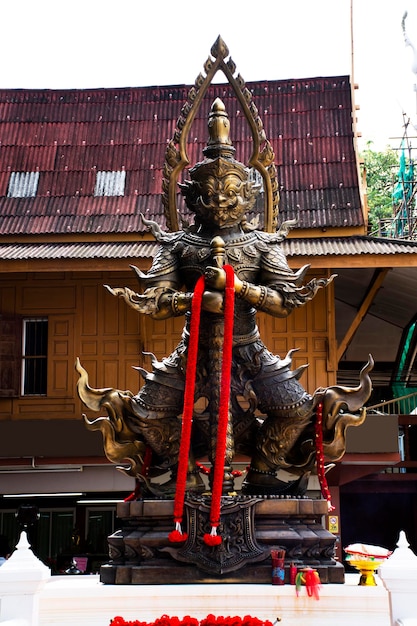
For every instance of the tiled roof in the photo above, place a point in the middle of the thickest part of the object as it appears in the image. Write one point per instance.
(347, 246)
(69, 135)
(293, 248)
(86, 251)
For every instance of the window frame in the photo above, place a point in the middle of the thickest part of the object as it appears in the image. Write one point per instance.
(25, 358)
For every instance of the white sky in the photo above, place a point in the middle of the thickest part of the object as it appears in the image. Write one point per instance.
(108, 43)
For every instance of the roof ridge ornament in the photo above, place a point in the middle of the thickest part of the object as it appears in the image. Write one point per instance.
(176, 156)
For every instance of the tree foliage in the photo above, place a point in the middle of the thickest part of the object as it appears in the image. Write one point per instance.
(381, 170)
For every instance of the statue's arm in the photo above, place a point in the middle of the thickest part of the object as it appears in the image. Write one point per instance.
(262, 298)
(278, 299)
(159, 302)
(278, 289)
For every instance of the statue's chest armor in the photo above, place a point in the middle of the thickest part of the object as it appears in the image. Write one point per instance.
(194, 254)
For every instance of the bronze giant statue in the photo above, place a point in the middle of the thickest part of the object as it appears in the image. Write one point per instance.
(220, 194)
(218, 272)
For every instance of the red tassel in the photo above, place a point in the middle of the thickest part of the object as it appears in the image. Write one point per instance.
(177, 536)
(320, 458)
(212, 539)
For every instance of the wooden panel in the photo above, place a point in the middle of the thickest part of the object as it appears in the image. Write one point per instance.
(111, 346)
(132, 321)
(300, 343)
(7, 300)
(298, 320)
(319, 312)
(110, 311)
(278, 345)
(88, 310)
(91, 366)
(110, 372)
(163, 335)
(10, 355)
(44, 409)
(134, 380)
(60, 378)
(60, 355)
(44, 298)
(110, 342)
(89, 347)
(132, 347)
(306, 330)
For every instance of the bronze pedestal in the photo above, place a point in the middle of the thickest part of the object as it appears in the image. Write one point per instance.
(251, 526)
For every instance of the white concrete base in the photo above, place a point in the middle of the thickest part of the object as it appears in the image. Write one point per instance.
(84, 601)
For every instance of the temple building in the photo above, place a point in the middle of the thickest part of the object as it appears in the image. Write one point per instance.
(77, 170)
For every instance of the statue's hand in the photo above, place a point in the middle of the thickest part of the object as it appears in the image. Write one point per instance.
(215, 278)
(213, 301)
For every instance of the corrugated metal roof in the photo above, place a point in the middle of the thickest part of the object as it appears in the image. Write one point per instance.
(293, 248)
(69, 135)
(346, 246)
(96, 250)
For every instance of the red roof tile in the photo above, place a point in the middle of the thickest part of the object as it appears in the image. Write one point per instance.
(68, 135)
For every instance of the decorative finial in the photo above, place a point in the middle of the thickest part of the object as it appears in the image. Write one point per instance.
(219, 142)
(219, 49)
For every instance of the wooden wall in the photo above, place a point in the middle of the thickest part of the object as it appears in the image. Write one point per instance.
(85, 320)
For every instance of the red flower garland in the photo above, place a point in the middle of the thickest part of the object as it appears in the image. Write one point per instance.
(178, 535)
(210, 620)
(320, 457)
(212, 538)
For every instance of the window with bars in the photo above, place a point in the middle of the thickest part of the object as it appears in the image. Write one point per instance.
(34, 357)
(110, 183)
(23, 184)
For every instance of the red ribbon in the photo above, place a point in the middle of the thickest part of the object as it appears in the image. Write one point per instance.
(187, 416)
(320, 457)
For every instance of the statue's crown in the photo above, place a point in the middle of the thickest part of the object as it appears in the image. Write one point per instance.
(219, 151)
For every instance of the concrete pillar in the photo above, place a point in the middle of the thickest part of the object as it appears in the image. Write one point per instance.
(399, 575)
(21, 580)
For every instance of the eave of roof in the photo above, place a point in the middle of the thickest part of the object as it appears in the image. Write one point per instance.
(319, 252)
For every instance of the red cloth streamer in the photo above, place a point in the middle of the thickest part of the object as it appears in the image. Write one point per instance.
(312, 584)
(320, 457)
(135, 495)
(229, 305)
(187, 416)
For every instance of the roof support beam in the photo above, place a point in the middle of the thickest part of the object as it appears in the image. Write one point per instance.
(376, 284)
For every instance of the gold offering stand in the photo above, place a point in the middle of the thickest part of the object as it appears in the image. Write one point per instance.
(367, 569)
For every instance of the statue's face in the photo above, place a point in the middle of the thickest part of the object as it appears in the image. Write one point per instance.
(222, 200)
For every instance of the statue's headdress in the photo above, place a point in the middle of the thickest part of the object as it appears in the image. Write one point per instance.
(219, 151)
(219, 162)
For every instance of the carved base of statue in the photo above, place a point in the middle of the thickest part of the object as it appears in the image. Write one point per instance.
(252, 527)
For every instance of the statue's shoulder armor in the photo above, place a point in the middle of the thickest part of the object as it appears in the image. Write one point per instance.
(165, 259)
(192, 248)
(273, 257)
